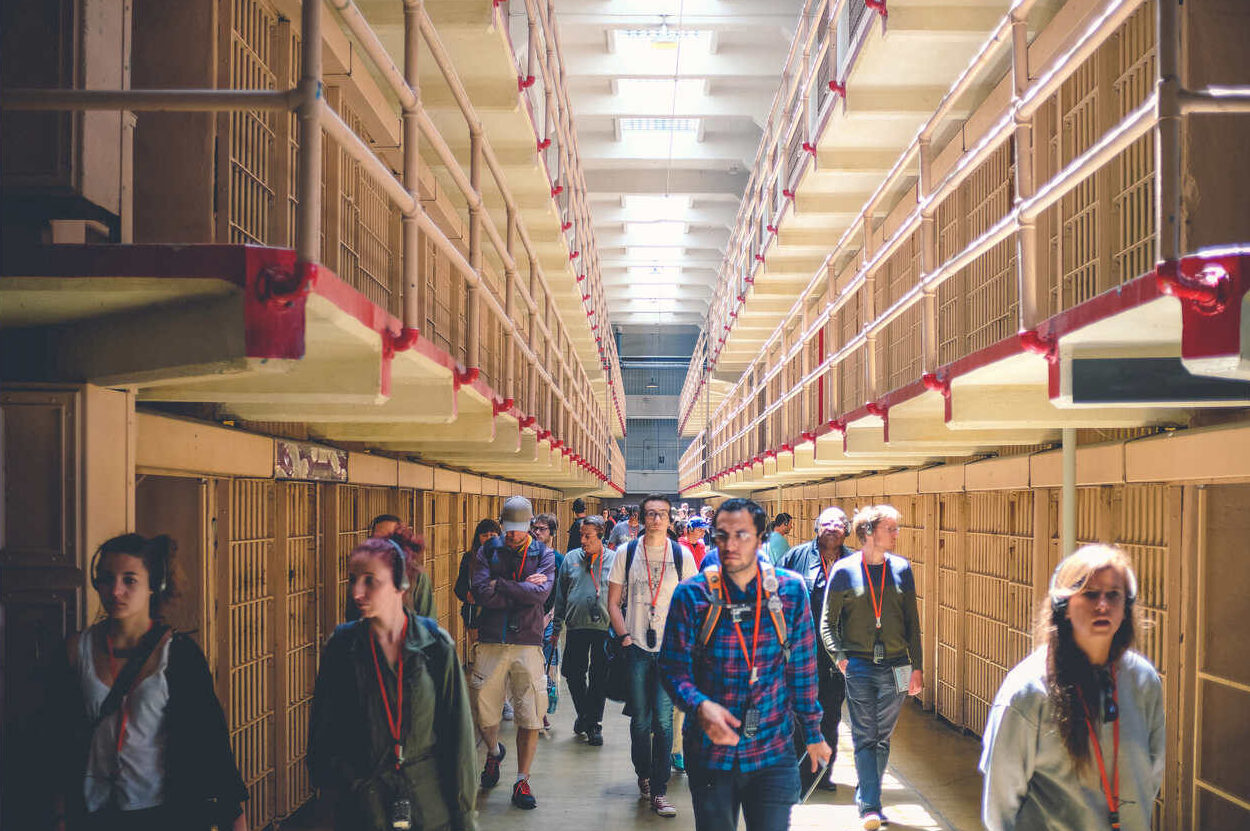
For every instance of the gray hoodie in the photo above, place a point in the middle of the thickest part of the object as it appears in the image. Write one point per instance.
(582, 592)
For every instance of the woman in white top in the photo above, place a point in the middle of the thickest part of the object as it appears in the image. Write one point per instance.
(1075, 737)
(136, 737)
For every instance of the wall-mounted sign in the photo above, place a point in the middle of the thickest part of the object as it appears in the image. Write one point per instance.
(296, 460)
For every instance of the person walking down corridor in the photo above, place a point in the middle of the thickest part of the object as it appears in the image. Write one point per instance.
(1075, 738)
(739, 657)
(644, 575)
(135, 737)
(486, 530)
(390, 736)
(544, 528)
(626, 529)
(870, 625)
(814, 561)
(582, 608)
(511, 579)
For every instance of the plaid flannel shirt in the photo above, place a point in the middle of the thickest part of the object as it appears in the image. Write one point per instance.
(784, 689)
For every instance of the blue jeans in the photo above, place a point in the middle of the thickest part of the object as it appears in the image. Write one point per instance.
(650, 719)
(873, 701)
(763, 796)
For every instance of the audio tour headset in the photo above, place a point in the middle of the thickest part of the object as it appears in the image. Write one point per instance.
(400, 566)
(1059, 604)
(136, 545)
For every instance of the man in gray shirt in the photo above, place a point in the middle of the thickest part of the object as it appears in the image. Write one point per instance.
(582, 604)
(623, 532)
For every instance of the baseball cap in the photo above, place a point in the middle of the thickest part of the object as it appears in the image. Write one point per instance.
(697, 522)
(516, 514)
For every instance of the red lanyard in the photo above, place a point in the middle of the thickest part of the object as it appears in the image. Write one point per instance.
(397, 721)
(591, 568)
(115, 669)
(655, 590)
(824, 567)
(876, 600)
(1110, 790)
(755, 636)
(525, 552)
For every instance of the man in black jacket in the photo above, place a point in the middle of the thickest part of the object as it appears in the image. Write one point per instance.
(814, 560)
(575, 530)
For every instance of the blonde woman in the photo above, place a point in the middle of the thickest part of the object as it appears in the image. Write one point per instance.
(871, 628)
(1075, 736)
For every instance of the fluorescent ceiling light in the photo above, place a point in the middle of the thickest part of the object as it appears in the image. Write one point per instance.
(657, 207)
(663, 232)
(664, 254)
(676, 126)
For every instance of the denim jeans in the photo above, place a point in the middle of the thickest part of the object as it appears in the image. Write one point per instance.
(873, 701)
(650, 720)
(584, 655)
(764, 796)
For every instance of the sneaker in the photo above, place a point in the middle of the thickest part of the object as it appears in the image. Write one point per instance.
(679, 762)
(546, 723)
(490, 773)
(644, 788)
(884, 819)
(663, 807)
(578, 729)
(553, 696)
(507, 711)
(594, 736)
(522, 797)
(872, 821)
(829, 785)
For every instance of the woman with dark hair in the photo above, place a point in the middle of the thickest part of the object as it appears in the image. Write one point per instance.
(486, 530)
(1075, 737)
(138, 738)
(390, 739)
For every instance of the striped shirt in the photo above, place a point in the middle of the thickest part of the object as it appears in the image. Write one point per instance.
(783, 689)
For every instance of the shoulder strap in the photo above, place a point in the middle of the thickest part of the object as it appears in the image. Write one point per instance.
(778, 615)
(630, 548)
(678, 559)
(130, 672)
(716, 605)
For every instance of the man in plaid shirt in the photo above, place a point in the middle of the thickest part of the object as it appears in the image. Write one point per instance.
(741, 692)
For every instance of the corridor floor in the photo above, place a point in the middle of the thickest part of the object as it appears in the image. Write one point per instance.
(932, 782)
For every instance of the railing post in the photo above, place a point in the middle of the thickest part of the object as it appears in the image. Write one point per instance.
(308, 221)
(472, 315)
(509, 305)
(1031, 312)
(928, 258)
(412, 165)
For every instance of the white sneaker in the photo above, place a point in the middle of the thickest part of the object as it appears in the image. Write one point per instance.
(663, 807)
(872, 821)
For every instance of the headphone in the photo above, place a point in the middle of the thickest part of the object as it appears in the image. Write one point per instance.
(158, 569)
(400, 567)
(1059, 604)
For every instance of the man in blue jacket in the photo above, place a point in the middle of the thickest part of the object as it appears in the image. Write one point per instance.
(511, 580)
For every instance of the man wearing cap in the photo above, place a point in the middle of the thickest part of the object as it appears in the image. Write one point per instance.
(512, 578)
(814, 561)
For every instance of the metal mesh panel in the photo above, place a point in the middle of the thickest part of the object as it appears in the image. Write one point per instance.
(999, 592)
(367, 257)
(302, 636)
(250, 142)
(249, 606)
(992, 297)
(900, 350)
(897, 274)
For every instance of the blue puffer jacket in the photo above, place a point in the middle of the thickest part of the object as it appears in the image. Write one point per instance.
(511, 608)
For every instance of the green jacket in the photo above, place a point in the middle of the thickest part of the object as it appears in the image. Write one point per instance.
(350, 750)
(848, 623)
(582, 597)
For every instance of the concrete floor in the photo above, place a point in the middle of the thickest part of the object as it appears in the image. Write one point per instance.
(932, 783)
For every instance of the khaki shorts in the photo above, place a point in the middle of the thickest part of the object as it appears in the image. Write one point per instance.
(513, 671)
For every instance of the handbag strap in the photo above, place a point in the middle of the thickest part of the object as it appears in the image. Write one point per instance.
(130, 672)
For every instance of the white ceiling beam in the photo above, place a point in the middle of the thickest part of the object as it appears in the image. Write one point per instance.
(694, 14)
(694, 182)
(718, 103)
(718, 214)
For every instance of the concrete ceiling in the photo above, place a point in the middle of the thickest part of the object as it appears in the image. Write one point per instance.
(669, 97)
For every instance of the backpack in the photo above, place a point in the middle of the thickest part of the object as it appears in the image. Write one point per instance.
(716, 598)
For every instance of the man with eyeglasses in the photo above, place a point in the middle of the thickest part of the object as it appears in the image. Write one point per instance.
(739, 658)
(814, 561)
(625, 531)
(645, 573)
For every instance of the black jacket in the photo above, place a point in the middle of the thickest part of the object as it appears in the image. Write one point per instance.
(202, 782)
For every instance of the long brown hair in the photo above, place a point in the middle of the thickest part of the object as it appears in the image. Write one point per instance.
(1069, 674)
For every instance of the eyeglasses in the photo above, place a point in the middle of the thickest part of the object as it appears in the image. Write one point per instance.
(721, 538)
(1113, 597)
(656, 514)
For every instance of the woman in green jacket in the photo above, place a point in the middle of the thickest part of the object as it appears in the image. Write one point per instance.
(390, 739)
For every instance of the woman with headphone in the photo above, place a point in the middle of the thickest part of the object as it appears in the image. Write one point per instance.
(138, 738)
(1075, 737)
(390, 740)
